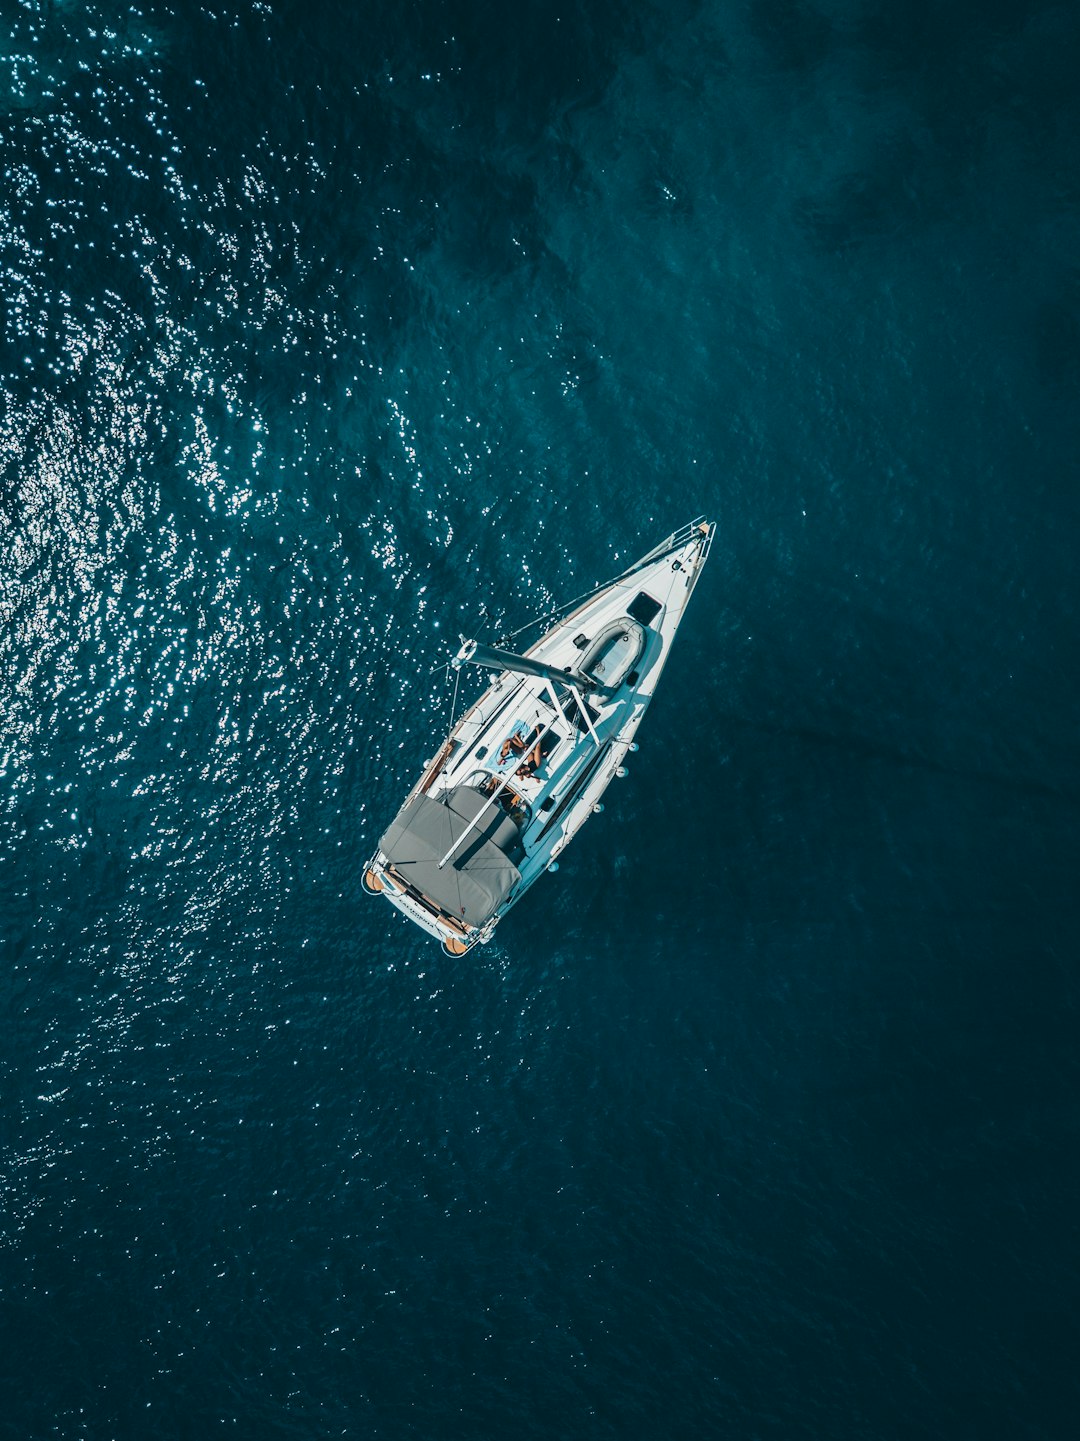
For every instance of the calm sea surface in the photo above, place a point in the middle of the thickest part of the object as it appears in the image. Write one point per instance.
(329, 329)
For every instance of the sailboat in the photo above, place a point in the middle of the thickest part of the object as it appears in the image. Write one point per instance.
(527, 764)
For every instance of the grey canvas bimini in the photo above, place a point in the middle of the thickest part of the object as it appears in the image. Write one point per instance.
(479, 875)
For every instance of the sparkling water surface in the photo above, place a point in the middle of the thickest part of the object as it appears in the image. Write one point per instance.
(331, 331)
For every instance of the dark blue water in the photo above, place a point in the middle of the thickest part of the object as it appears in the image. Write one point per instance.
(326, 326)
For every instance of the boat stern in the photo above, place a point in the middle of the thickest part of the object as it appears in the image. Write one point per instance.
(379, 879)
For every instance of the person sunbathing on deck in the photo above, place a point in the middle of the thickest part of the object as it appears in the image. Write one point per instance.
(526, 751)
(529, 764)
(515, 743)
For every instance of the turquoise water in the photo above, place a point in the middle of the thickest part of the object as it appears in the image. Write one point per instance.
(331, 331)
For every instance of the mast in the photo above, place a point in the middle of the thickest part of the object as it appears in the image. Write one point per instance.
(503, 785)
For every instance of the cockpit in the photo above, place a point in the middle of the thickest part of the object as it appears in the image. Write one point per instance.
(515, 805)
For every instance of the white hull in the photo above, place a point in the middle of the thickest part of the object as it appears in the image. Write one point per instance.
(551, 801)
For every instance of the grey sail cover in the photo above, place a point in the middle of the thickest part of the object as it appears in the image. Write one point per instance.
(479, 875)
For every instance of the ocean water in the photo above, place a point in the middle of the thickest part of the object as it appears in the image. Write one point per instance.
(330, 331)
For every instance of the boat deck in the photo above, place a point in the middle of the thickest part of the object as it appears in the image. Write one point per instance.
(540, 749)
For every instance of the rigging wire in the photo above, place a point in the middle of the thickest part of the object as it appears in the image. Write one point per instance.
(453, 703)
(552, 615)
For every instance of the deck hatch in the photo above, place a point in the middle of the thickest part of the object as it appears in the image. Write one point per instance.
(643, 608)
